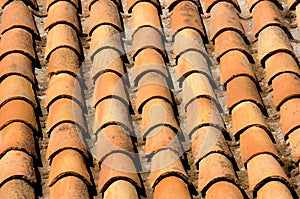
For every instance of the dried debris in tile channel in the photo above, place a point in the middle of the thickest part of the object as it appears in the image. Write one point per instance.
(149, 99)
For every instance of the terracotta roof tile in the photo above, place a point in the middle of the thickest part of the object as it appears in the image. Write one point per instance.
(186, 15)
(171, 4)
(266, 13)
(260, 174)
(105, 37)
(228, 41)
(209, 4)
(132, 3)
(148, 19)
(64, 110)
(17, 165)
(17, 40)
(224, 190)
(158, 112)
(172, 187)
(294, 140)
(274, 189)
(234, 64)
(117, 2)
(280, 63)
(31, 3)
(285, 87)
(121, 189)
(117, 166)
(203, 112)
(16, 188)
(166, 163)
(223, 18)
(104, 12)
(273, 40)
(17, 136)
(17, 64)
(251, 115)
(212, 169)
(16, 87)
(18, 111)
(253, 3)
(112, 111)
(63, 60)
(289, 116)
(292, 4)
(147, 37)
(62, 12)
(69, 187)
(68, 163)
(255, 141)
(66, 136)
(242, 89)
(50, 3)
(113, 139)
(207, 140)
(188, 40)
(17, 15)
(151, 86)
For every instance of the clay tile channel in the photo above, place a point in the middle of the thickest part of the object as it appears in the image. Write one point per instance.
(17, 15)
(132, 3)
(32, 3)
(209, 4)
(75, 3)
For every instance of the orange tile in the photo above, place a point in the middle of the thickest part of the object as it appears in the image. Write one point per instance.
(17, 87)
(290, 116)
(64, 111)
(162, 138)
(263, 169)
(68, 163)
(224, 190)
(107, 60)
(62, 12)
(117, 2)
(152, 85)
(17, 164)
(110, 85)
(170, 4)
(104, 37)
(32, 3)
(292, 4)
(203, 112)
(112, 111)
(253, 3)
(234, 64)
(192, 62)
(17, 136)
(113, 139)
(280, 63)
(223, 18)
(18, 111)
(158, 112)
(209, 4)
(186, 15)
(229, 41)
(147, 37)
(196, 86)
(188, 40)
(63, 60)
(149, 18)
(104, 12)
(255, 141)
(117, 166)
(121, 189)
(63, 85)
(166, 163)
(132, 3)
(274, 189)
(285, 86)
(172, 187)
(246, 115)
(17, 188)
(17, 64)
(69, 187)
(17, 15)
(265, 14)
(207, 140)
(294, 139)
(148, 60)
(66, 136)
(61, 36)
(212, 169)
(17, 40)
(50, 3)
(242, 89)
(273, 40)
